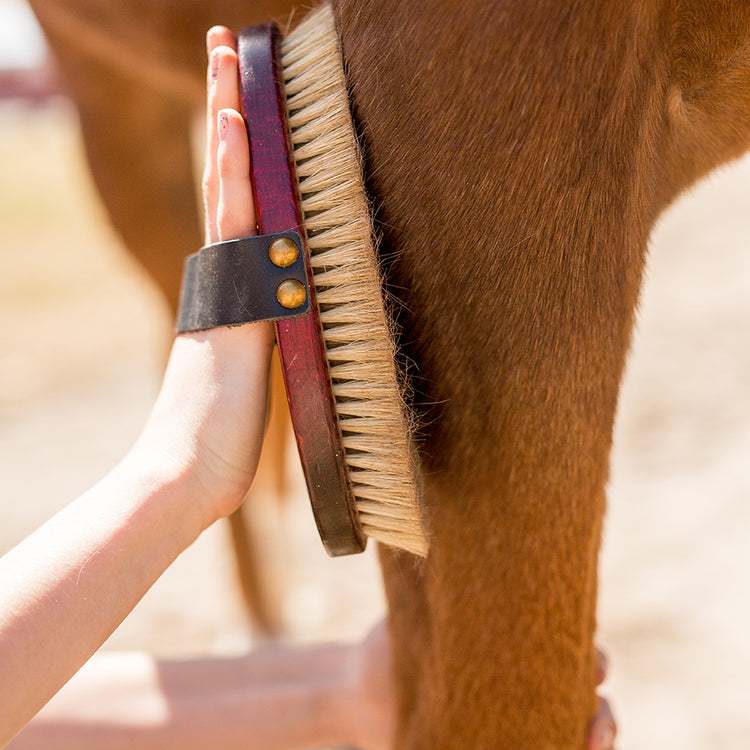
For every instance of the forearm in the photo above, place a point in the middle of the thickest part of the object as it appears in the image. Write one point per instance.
(64, 589)
(270, 700)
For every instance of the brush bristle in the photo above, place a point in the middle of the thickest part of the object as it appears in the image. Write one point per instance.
(357, 332)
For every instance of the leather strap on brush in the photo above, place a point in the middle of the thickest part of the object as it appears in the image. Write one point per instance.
(244, 281)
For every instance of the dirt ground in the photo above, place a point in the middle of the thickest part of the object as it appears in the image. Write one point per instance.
(82, 338)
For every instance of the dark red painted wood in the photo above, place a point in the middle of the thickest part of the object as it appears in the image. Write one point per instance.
(300, 340)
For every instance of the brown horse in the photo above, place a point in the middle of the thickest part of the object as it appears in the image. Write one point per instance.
(519, 153)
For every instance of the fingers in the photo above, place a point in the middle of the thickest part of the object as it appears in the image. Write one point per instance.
(223, 93)
(235, 212)
(601, 666)
(219, 36)
(602, 730)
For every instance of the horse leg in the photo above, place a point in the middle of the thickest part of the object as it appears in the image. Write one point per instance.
(502, 218)
(152, 204)
(136, 73)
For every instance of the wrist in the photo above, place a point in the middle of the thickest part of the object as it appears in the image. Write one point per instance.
(168, 483)
(208, 421)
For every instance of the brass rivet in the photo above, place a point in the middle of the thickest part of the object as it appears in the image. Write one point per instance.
(283, 252)
(290, 294)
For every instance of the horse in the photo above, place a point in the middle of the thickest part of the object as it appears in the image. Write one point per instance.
(518, 155)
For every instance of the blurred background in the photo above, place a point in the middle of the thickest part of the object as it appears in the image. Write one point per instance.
(84, 334)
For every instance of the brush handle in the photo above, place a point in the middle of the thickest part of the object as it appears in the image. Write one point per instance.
(300, 341)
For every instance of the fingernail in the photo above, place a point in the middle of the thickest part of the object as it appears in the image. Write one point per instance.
(222, 125)
(214, 66)
(210, 39)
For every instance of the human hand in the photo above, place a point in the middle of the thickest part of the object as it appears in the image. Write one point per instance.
(209, 419)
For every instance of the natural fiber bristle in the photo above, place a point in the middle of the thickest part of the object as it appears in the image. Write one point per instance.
(357, 332)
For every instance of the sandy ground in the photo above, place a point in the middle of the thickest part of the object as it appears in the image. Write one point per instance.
(82, 337)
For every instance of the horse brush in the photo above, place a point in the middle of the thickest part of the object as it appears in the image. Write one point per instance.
(340, 357)
(317, 253)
